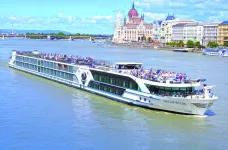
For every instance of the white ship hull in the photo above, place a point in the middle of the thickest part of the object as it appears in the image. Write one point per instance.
(181, 105)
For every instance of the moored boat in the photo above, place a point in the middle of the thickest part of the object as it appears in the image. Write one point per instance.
(181, 50)
(126, 82)
(211, 51)
(224, 52)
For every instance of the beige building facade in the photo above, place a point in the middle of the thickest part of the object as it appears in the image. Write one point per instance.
(223, 33)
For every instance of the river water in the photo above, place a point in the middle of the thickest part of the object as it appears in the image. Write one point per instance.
(36, 113)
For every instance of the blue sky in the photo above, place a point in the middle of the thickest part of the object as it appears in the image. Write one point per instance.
(98, 16)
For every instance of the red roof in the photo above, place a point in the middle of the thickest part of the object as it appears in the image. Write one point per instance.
(133, 13)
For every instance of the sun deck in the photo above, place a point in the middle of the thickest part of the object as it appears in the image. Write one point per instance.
(126, 68)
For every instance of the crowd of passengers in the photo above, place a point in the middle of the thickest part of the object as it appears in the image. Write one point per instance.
(180, 93)
(159, 75)
(66, 58)
(153, 75)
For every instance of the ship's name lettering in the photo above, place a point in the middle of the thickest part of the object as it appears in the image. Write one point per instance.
(174, 102)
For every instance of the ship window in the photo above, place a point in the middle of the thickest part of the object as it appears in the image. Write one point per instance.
(175, 89)
(182, 89)
(140, 98)
(106, 79)
(116, 80)
(105, 88)
(161, 88)
(144, 99)
(96, 86)
(102, 87)
(95, 77)
(134, 86)
(167, 88)
(108, 89)
(111, 80)
(117, 91)
(111, 89)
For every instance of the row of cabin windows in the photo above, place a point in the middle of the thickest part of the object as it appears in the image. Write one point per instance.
(26, 65)
(44, 63)
(53, 65)
(107, 88)
(56, 73)
(26, 59)
(169, 90)
(116, 80)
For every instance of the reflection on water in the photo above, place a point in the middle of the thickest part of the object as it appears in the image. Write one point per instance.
(36, 113)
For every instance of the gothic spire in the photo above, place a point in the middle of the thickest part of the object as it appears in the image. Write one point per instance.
(133, 5)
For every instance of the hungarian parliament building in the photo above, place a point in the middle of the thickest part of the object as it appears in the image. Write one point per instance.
(134, 28)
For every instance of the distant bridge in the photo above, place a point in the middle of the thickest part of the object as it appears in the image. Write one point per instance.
(44, 36)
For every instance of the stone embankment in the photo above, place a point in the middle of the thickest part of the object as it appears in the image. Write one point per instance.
(151, 45)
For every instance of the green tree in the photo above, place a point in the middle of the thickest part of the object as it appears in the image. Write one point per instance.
(213, 44)
(61, 34)
(225, 44)
(181, 43)
(190, 44)
(167, 43)
(197, 44)
(144, 38)
(173, 44)
(149, 39)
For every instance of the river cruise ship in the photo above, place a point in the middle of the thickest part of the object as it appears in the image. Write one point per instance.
(126, 82)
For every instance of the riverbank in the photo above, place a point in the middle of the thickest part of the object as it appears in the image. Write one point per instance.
(152, 46)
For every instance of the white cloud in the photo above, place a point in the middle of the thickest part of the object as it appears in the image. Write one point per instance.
(154, 16)
(199, 10)
(61, 15)
(200, 5)
(176, 4)
(102, 17)
(13, 18)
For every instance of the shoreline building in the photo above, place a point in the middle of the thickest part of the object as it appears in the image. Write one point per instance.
(210, 33)
(202, 32)
(167, 27)
(134, 28)
(157, 30)
(223, 33)
(194, 32)
(178, 32)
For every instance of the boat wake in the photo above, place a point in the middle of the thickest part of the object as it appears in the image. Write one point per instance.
(208, 113)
